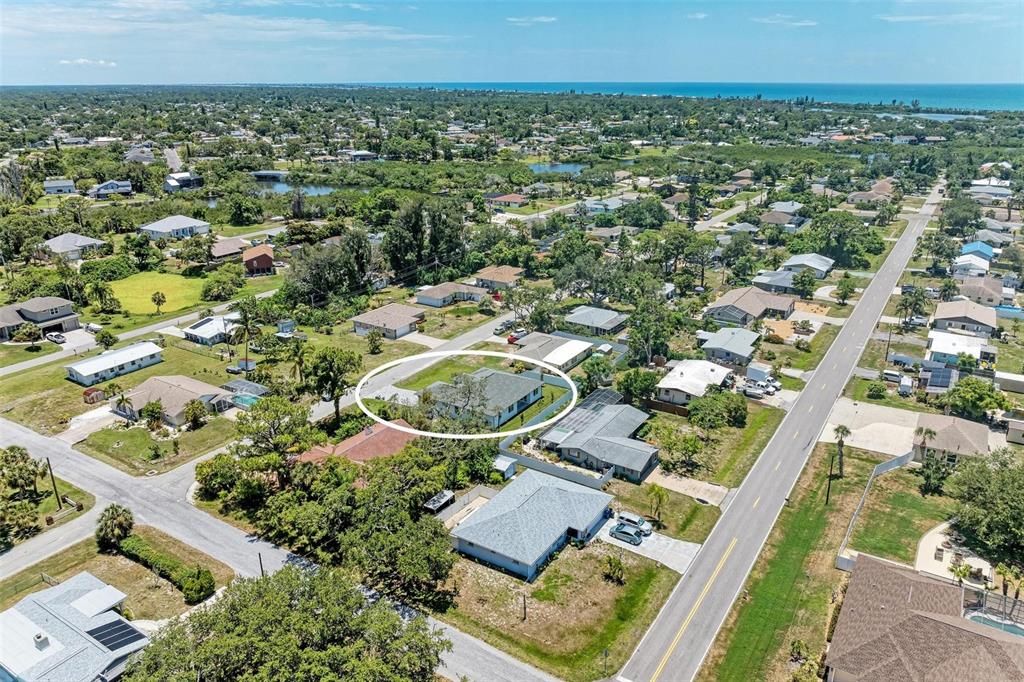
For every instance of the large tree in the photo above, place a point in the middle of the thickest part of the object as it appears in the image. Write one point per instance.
(296, 624)
(989, 491)
(332, 374)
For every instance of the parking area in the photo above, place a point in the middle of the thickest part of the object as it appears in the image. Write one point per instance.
(672, 553)
(77, 338)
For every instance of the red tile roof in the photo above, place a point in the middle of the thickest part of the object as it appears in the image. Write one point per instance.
(370, 443)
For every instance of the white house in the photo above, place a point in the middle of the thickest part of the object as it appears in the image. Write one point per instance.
(211, 330)
(105, 189)
(818, 264)
(561, 352)
(690, 379)
(970, 265)
(59, 186)
(175, 227)
(450, 292)
(71, 246)
(114, 363)
(393, 320)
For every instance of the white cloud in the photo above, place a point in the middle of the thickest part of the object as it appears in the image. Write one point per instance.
(938, 19)
(785, 20)
(82, 61)
(697, 16)
(530, 21)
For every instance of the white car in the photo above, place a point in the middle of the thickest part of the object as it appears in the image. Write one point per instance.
(765, 387)
(54, 337)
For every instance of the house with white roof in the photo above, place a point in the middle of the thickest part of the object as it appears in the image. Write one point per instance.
(212, 330)
(530, 519)
(947, 347)
(691, 379)
(816, 263)
(71, 246)
(175, 227)
(71, 632)
(561, 352)
(114, 363)
(970, 265)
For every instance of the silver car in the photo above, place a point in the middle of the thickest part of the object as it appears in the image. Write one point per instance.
(626, 533)
(636, 521)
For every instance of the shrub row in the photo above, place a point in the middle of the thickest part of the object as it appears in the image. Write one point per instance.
(196, 583)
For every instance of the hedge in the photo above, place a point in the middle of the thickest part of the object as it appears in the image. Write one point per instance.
(108, 269)
(196, 584)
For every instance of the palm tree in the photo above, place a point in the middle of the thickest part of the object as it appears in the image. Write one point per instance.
(948, 289)
(247, 327)
(296, 353)
(124, 405)
(961, 572)
(904, 308)
(925, 434)
(158, 298)
(658, 497)
(841, 433)
(115, 524)
(100, 293)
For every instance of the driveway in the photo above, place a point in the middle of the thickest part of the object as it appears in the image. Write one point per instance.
(424, 340)
(77, 339)
(669, 552)
(80, 427)
(712, 492)
(873, 427)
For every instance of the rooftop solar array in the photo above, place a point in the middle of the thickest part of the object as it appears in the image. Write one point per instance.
(586, 410)
(115, 635)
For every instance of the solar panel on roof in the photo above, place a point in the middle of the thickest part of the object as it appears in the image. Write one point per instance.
(115, 635)
(941, 377)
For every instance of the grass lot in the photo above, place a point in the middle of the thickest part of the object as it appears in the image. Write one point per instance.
(42, 399)
(130, 449)
(896, 515)
(573, 613)
(45, 502)
(896, 228)
(447, 369)
(449, 322)
(875, 260)
(13, 353)
(791, 383)
(789, 594)
(550, 395)
(791, 357)
(913, 202)
(1009, 354)
(539, 205)
(857, 390)
(732, 451)
(682, 516)
(149, 596)
(134, 292)
(874, 356)
(225, 230)
(343, 337)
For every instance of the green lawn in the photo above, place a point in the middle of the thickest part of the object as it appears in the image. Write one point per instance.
(550, 395)
(13, 353)
(130, 449)
(44, 400)
(539, 205)
(45, 502)
(798, 359)
(343, 337)
(1009, 354)
(789, 594)
(791, 383)
(148, 596)
(134, 292)
(857, 390)
(896, 516)
(577, 622)
(446, 323)
(682, 517)
(449, 368)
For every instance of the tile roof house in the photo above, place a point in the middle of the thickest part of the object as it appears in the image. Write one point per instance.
(746, 304)
(561, 352)
(372, 442)
(71, 246)
(49, 313)
(732, 345)
(393, 320)
(448, 293)
(691, 379)
(114, 363)
(529, 520)
(71, 632)
(499, 395)
(597, 320)
(229, 247)
(597, 435)
(175, 227)
(820, 265)
(174, 392)
(495, 277)
(898, 624)
(258, 260)
(954, 438)
(965, 315)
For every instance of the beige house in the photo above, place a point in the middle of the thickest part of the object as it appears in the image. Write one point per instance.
(497, 277)
(954, 438)
(966, 316)
(744, 305)
(986, 291)
(173, 392)
(393, 320)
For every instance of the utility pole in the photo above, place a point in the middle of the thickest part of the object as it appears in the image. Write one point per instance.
(887, 342)
(53, 482)
(828, 489)
(524, 606)
(263, 573)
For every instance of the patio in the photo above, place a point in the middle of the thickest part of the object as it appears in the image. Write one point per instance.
(940, 549)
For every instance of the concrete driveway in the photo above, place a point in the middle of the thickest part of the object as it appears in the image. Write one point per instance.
(873, 427)
(78, 339)
(669, 552)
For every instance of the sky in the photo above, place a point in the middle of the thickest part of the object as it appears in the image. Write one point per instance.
(330, 41)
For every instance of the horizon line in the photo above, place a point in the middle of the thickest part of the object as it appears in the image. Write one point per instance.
(512, 82)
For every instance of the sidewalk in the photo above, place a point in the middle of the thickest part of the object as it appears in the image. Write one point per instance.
(712, 492)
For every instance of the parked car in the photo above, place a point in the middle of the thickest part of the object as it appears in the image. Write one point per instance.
(765, 387)
(775, 383)
(233, 369)
(753, 392)
(54, 337)
(918, 321)
(892, 375)
(93, 328)
(636, 521)
(626, 533)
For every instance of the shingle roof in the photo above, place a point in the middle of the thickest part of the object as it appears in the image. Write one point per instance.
(531, 514)
(970, 310)
(735, 340)
(40, 303)
(390, 316)
(776, 278)
(372, 442)
(227, 247)
(449, 288)
(896, 624)
(499, 389)
(598, 318)
(174, 392)
(257, 251)
(752, 301)
(500, 273)
(953, 434)
(606, 437)
(811, 260)
(70, 241)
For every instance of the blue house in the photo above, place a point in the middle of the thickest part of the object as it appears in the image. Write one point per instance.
(980, 249)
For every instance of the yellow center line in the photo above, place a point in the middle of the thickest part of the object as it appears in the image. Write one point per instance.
(754, 506)
(693, 611)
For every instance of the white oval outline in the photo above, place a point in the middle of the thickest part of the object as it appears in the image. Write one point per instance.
(465, 436)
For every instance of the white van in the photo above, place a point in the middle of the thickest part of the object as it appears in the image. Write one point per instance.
(892, 375)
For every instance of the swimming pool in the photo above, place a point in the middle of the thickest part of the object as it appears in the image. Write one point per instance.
(245, 401)
(998, 624)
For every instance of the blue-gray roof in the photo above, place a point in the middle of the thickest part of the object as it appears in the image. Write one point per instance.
(67, 633)
(70, 241)
(500, 389)
(811, 260)
(776, 278)
(736, 340)
(605, 435)
(530, 515)
(598, 318)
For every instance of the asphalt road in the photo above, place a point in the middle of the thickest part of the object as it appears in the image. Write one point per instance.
(679, 639)
(172, 158)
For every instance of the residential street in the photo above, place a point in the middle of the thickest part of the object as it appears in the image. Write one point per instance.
(724, 216)
(679, 639)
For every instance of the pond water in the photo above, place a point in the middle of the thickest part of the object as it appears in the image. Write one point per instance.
(570, 168)
(280, 187)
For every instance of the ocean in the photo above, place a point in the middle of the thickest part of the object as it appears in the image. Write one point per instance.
(989, 97)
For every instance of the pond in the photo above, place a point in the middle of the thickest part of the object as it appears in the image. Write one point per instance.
(569, 168)
(280, 187)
